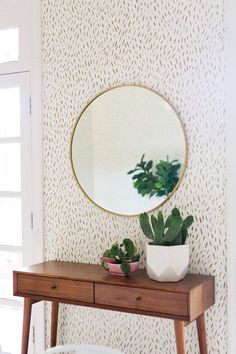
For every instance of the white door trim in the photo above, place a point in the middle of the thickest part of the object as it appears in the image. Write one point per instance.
(37, 164)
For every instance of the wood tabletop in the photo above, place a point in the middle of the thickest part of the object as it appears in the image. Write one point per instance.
(95, 273)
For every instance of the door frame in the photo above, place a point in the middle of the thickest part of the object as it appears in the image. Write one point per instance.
(38, 315)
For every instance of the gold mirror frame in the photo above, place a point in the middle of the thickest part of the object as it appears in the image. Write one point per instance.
(185, 142)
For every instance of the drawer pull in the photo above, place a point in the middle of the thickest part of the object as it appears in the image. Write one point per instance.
(53, 287)
(138, 298)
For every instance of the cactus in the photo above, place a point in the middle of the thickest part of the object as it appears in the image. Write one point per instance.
(173, 232)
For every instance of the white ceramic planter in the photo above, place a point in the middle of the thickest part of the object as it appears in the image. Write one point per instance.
(167, 263)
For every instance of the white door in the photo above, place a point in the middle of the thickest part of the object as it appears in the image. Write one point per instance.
(15, 200)
(21, 233)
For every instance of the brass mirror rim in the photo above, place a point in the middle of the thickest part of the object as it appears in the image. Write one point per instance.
(185, 141)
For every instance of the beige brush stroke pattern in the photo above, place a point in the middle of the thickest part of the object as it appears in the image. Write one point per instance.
(176, 48)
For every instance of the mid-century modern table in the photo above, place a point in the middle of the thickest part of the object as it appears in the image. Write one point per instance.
(89, 285)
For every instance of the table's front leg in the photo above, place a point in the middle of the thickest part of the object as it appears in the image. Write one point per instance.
(201, 330)
(179, 336)
(54, 322)
(26, 324)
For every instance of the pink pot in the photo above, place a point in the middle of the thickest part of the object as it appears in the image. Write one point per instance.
(115, 268)
(107, 259)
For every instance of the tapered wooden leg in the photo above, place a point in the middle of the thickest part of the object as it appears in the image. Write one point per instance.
(26, 325)
(201, 330)
(179, 335)
(54, 323)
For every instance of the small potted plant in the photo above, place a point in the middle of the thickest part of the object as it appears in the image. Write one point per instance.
(167, 254)
(121, 259)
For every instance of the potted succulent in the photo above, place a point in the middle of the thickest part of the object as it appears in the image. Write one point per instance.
(167, 254)
(121, 259)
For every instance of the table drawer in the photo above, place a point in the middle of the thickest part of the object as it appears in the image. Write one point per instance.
(142, 299)
(55, 288)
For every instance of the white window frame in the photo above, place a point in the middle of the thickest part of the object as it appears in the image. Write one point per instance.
(26, 14)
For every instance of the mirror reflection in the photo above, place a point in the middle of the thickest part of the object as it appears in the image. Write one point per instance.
(128, 150)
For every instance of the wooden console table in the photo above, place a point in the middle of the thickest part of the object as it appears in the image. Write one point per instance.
(89, 285)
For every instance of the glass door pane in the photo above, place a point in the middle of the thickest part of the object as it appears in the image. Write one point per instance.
(10, 112)
(10, 222)
(10, 167)
(15, 158)
(8, 261)
(9, 45)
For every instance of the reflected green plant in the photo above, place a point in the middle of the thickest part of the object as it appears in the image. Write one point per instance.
(159, 183)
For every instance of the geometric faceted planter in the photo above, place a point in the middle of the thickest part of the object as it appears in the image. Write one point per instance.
(167, 263)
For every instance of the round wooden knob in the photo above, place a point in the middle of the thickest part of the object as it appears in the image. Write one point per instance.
(138, 298)
(53, 287)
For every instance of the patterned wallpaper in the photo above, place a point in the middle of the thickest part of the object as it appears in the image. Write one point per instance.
(176, 48)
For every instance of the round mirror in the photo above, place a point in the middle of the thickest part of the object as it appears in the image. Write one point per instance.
(128, 150)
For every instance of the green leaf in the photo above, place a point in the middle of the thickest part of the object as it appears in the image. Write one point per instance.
(129, 247)
(175, 212)
(120, 255)
(168, 221)
(125, 267)
(161, 193)
(160, 224)
(153, 193)
(184, 235)
(159, 184)
(158, 228)
(178, 240)
(187, 222)
(135, 258)
(145, 226)
(173, 230)
(132, 171)
(114, 250)
(107, 253)
(155, 228)
(149, 165)
(137, 183)
(105, 265)
(138, 176)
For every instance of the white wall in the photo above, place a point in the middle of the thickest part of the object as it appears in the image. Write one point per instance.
(176, 48)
